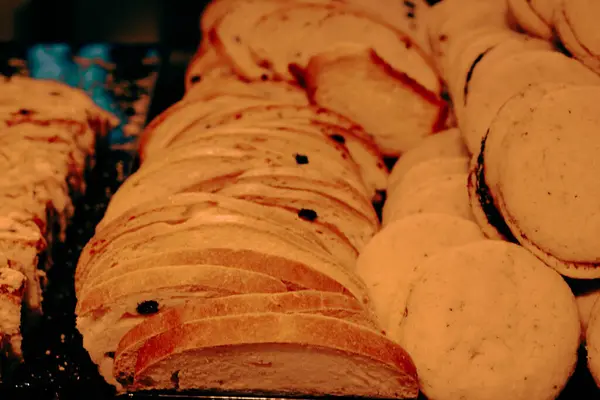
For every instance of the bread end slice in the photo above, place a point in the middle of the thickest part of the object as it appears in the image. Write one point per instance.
(277, 354)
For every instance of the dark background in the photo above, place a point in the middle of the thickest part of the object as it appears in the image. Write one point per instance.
(173, 23)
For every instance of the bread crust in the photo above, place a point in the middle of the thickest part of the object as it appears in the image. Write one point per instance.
(304, 331)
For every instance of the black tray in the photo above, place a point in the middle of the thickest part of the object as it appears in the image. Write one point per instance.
(57, 367)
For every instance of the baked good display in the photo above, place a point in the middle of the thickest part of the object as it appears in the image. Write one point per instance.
(245, 254)
(47, 140)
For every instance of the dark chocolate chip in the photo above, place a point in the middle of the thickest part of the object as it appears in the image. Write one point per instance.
(338, 138)
(130, 111)
(264, 77)
(307, 214)
(301, 159)
(25, 111)
(147, 307)
(110, 354)
(410, 14)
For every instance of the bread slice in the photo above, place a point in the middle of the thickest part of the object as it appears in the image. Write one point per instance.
(110, 309)
(282, 92)
(318, 29)
(529, 19)
(206, 67)
(360, 145)
(390, 260)
(528, 348)
(394, 108)
(342, 230)
(184, 114)
(213, 166)
(189, 220)
(446, 20)
(279, 347)
(309, 302)
(12, 289)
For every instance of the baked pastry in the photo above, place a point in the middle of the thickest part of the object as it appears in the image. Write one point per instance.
(451, 18)
(575, 24)
(47, 139)
(593, 343)
(421, 174)
(389, 262)
(303, 302)
(273, 345)
(394, 108)
(535, 17)
(500, 76)
(527, 350)
(448, 143)
(445, 194)
(547, 112)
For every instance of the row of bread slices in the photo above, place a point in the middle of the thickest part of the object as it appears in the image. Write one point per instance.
(367, 60)
(227, 261)
(529, 117)
(278, 230)
(47, 135)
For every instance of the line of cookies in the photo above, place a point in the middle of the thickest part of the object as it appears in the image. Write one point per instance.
(528, 119)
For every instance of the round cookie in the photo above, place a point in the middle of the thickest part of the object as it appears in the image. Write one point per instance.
(444, 144)
(575, 22)
(504, 324)
(423, 171)
(585, 305)
(445, 194)
(593, 343)
(389, 262)
(557, 144)
(501, 76)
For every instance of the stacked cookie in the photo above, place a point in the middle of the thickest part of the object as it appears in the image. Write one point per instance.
(47, 137)
(571, 22)
(526, 113)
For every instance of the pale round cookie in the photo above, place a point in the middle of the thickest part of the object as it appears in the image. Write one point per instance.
(445, 194)
(593, 343)
(390, 260)
(504, 324)
(585, 305)
(440, 145)
(558, 145)
(424, 171)
(500, 77)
